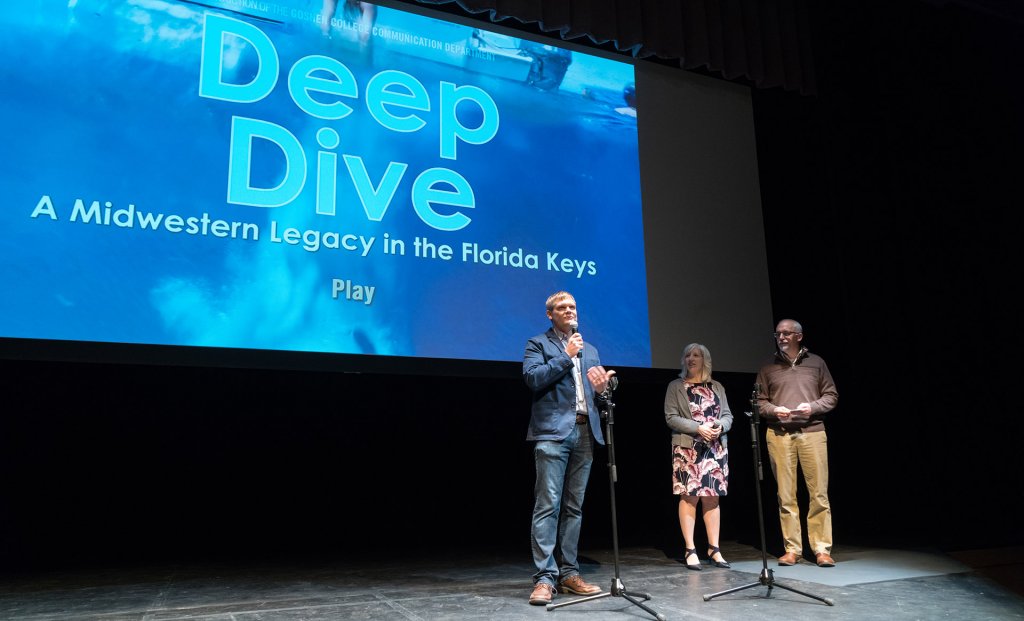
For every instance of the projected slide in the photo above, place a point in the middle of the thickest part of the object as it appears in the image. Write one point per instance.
(302, 177)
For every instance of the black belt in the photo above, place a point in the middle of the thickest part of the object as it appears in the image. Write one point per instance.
(581, 419)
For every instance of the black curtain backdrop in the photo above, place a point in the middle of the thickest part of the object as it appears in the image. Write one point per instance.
(890, 207)
(890, 204)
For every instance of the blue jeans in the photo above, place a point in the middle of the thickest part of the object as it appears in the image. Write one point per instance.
(563, 468)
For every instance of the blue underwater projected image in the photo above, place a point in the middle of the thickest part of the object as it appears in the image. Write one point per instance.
(281, 176)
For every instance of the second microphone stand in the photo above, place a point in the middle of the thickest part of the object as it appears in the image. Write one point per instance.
(617, 589)
(767, 577)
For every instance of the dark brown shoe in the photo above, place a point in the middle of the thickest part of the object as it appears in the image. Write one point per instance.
(824, 560)
(789, 558)
(542, 594)
(578, 586)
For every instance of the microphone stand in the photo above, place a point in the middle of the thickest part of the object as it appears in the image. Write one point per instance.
(767, 577)
(617, 588)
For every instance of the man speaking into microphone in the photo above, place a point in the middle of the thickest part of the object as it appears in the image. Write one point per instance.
(565, 376)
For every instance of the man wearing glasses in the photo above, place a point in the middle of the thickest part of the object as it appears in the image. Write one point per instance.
(794, 392)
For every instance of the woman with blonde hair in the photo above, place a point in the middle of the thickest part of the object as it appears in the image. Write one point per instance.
(697, 412)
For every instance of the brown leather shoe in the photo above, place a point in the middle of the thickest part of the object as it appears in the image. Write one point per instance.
(542, 594)
(789, 558)
(824, 560)
(578, 586)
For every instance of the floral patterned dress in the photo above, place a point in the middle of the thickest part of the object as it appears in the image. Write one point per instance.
(704, 469)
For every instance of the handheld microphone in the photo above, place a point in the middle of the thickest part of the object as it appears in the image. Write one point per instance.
(573, 329)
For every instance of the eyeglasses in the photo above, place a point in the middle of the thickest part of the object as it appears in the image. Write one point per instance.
(785, 333)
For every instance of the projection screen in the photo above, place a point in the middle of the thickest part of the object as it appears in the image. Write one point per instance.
(249, 175)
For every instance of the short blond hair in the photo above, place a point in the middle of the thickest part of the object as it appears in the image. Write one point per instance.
(555, 298)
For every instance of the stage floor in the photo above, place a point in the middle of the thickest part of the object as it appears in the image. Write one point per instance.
(865, 584)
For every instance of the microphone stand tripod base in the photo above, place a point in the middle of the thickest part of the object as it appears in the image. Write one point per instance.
(617, 589)
(767, 578)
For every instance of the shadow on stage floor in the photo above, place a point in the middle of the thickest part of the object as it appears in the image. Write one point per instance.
(883, 584)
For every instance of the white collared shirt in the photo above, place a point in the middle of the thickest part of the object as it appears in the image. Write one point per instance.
(577, 376)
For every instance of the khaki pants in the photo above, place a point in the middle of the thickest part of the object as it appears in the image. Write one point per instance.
(810, 451)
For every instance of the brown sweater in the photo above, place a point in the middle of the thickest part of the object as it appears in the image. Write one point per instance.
(788, 383)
